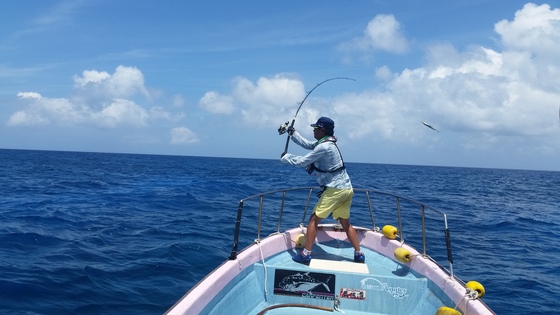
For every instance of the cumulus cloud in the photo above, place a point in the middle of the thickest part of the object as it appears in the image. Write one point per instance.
(29, 95)
(260, 103)
(43, 111)
(535, 28)
(183, 135)
(269, 98)
(479, 94)
(382, 33)
(92, 76)
(484, 94)
(121, 112)
(215, 103)
(102, 99)
(125, 82)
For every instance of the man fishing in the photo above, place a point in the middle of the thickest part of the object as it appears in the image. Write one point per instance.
(337, 193)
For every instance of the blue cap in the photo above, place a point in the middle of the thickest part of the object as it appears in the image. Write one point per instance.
(324, 122)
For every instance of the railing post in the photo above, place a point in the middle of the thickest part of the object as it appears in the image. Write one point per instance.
(233, 255)
(401, 233)
(306, 205)
(423, 216)
(370, 210)
(260, 218)
(281, 211)
(448, 244)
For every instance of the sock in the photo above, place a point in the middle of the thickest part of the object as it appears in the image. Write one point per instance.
(306, 252)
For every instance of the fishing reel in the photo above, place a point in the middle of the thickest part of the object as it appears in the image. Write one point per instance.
(283, 128)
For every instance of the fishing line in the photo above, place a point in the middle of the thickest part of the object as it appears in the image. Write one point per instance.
(284, 128)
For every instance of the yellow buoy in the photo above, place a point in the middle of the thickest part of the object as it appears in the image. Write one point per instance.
(444, 310)
(390, 232)
(403, 255)
(476, 286)
(300, 240)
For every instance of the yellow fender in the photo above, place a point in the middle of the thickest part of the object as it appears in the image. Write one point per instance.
(390, 232)
(300, 241)
(444, 310)
(476, 286)
(403, 255)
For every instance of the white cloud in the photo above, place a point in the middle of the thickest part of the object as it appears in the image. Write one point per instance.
(92, 76)
(29, 95)
(382, 33)
(183, 135)
(532, 45)
(121, 112)
(488, 96)
(21, 118)
(261, 103)
(125, 82)
(42, 111)
(384, 73)
(215, 103)
(535, 28)
(104, 100)
(268, 99)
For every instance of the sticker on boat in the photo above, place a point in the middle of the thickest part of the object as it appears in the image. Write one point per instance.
(305, 284)
(375, 285)
(354, 294)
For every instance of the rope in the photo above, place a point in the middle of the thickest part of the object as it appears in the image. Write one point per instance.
(258, 242)
(470, 295)
(288, 239)
(321, 308)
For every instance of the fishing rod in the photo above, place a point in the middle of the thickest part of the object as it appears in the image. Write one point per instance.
(284, 128)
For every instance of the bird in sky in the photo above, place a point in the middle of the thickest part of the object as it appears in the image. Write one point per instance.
(429, 126)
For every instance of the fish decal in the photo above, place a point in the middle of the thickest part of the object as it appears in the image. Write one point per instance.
(307, 284)
(302, 282)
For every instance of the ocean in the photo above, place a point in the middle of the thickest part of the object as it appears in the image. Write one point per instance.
(99, 233)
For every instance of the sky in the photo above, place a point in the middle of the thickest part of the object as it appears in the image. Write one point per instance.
(217, 78)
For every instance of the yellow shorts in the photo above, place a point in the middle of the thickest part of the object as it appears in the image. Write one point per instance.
(335, 201)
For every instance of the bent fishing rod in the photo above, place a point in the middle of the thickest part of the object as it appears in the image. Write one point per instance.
(284, 128)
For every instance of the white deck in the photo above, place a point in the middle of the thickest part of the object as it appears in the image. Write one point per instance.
(333, 265)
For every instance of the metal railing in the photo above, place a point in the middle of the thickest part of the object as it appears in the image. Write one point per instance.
(370, 195)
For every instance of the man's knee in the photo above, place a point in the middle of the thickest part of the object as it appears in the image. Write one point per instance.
(314, 219)
(345, 223)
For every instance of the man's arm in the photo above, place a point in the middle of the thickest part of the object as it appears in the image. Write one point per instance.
(298, 139)
(305, 160)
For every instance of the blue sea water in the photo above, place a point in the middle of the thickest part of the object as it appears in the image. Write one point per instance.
(96, 233)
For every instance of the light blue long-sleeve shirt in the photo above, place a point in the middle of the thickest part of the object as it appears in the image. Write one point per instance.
(325, 156)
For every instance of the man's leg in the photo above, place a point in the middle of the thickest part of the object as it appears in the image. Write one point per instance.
(353, 238)
(351, 233)
(304, 256)
(312, 231)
